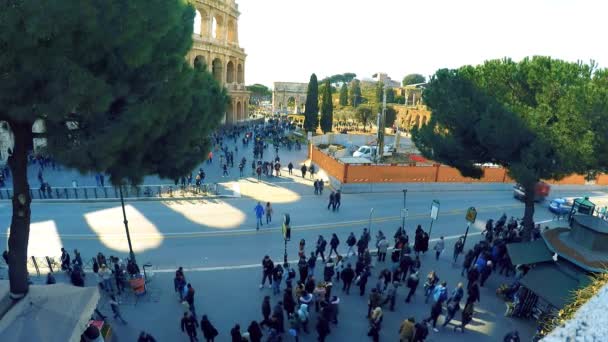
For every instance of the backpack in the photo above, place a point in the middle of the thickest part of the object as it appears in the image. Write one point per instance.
(351, 240)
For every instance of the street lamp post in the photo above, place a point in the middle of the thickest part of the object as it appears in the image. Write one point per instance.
(371, 212)
(381, 120)
(124, 215)
(404, 207)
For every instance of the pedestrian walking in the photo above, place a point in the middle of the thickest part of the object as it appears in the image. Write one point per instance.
(457, 294)
(374, 300)
(439, 247)
(351, 241)
(188, 325)
(209, 331)
(322, 329)
(347, 278)
(485, 273)
(190, 299)
(277, 276)
(145, 337)
(440, 293)
(473, 293)
(115, 309)
(235, 334)
(259, 212)
(267, 269)
(316, 186)
(375, 322)
(334, 305)
(412, 284)
(429, 285)
(179, 282)
(303, 316)
(391, 295)
(321, 185)
(466, 316)
(452, 309)
(266, 311)
(337, 200)
(435, 312)
(278, 317)
(321, 245)
(255, 332)
(303, 269)
(362, 281)
(332, 200)
(382, 246)
(458, 248)
(303, 169)
(334, 243)
(467, 262)
(406, 330)
(312, 171)
(421, 331)
(340, 265)
(312, 262)
(288, 302)
(290, 168)
(328, 271)
(269, 213)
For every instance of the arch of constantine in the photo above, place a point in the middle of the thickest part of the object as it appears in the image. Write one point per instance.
(216, 44)
(289, 97)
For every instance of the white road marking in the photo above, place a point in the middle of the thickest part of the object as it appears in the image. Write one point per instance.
(247, 266)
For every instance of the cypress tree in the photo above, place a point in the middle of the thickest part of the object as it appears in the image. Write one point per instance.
(327, 109)
(311, 112)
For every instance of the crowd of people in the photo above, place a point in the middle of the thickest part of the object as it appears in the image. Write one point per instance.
(307, 296)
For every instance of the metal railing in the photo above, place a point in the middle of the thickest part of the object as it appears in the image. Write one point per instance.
(110, 192)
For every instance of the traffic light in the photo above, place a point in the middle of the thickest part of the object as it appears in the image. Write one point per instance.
(286, 227)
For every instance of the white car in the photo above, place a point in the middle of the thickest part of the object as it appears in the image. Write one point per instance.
(370, 151)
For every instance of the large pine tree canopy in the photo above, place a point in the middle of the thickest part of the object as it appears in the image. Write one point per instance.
(539, 118)
(111, 83)
(117, 70)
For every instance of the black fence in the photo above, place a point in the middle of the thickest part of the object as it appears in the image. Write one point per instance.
(109, 192)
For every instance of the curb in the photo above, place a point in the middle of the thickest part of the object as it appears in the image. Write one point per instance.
(130, 199)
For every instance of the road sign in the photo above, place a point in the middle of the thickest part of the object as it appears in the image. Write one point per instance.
(471, 215)
(434, 209)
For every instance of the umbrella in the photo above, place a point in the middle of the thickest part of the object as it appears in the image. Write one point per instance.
(50, 313)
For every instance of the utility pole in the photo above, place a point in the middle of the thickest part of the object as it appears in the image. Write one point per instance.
(404, 208)
(371, 212)
(381, 125)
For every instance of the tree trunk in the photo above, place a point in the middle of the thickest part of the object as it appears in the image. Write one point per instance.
(20, 223)
(529, 211)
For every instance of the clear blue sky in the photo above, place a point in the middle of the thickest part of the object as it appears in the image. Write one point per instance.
(287, 40)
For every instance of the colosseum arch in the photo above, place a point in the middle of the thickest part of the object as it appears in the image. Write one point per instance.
(199, 59)
(217, 68)
(217, 27)
(232, 38)
(216, 42)
(230, 72)
(240, 78)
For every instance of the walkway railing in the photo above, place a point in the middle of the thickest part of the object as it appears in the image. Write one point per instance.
(110, 192)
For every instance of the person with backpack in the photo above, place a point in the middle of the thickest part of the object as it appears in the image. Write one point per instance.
(351, 241)
(429, 285)
(333, 243)
(440, 293)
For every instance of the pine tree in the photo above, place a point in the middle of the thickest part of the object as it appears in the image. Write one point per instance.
(311, 112)
(109, 100)
(327, 109)
(344, 95)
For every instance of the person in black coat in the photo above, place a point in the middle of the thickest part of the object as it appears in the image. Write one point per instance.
(255, 332)
(288, 302)
(235, 334)
(322, 328)
(347, 278)
(209, 331)
(266, 310)
(473, 293)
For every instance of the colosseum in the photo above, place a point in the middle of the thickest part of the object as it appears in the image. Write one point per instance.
(216, 43)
